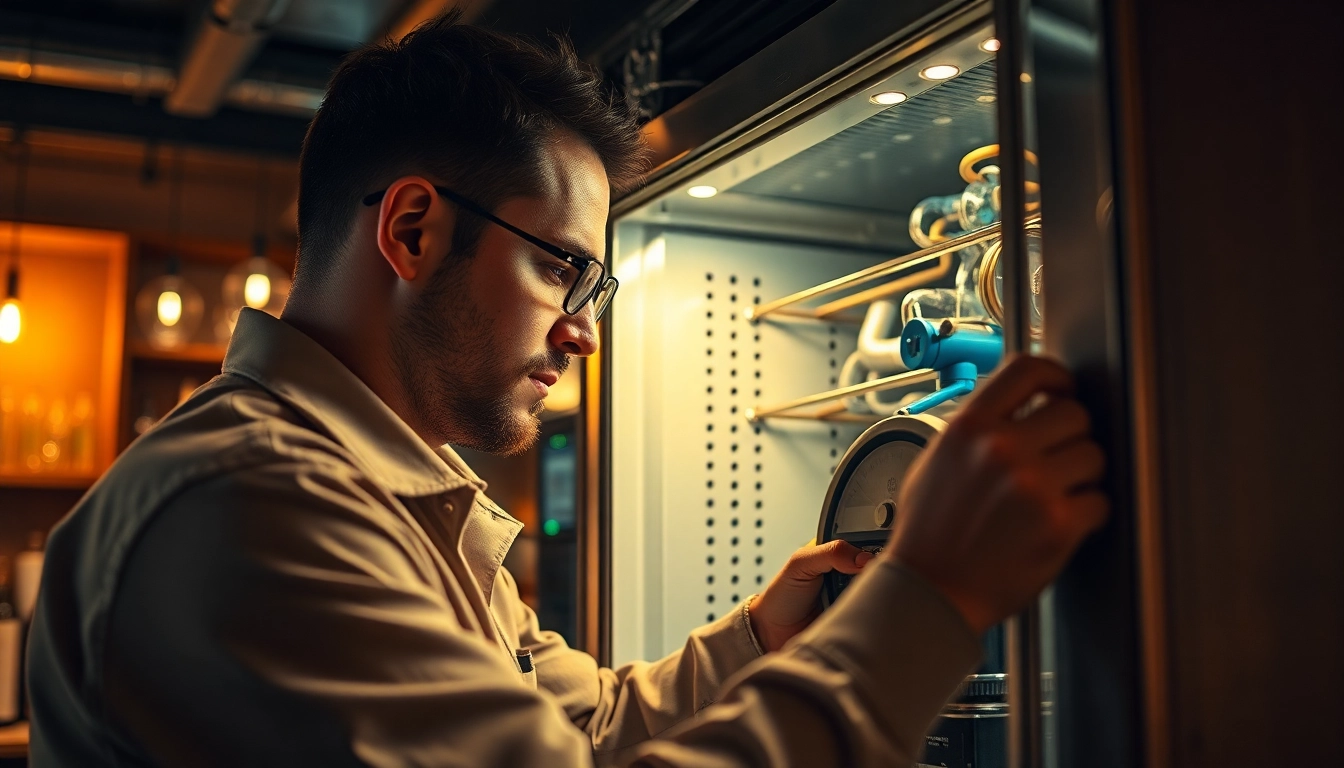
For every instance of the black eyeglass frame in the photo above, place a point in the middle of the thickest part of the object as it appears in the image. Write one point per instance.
(582, 263)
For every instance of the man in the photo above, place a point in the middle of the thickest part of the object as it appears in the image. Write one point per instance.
(291, 570)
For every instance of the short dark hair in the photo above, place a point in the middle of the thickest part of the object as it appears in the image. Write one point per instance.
(471, 106)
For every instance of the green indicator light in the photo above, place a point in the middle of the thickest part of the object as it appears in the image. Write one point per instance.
(551, 527)
(559, 441)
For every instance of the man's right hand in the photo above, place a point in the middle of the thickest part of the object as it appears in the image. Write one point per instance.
(999, 502)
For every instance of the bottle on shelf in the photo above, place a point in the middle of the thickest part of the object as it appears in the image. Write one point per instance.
(56, 446)
(11, 643)
(148, 417)
(31, 434)
(185, 388)
(9, 430)
(81, 435)
(28, 575)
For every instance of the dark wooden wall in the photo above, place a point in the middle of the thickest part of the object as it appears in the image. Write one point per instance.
(1240, 198)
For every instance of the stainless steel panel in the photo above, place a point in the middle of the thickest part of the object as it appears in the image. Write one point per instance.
(1095, 628)
(815, 63)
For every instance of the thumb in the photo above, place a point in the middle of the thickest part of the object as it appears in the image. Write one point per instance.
(810, 563)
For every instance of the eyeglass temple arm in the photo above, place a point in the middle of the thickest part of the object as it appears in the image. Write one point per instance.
(376, 197)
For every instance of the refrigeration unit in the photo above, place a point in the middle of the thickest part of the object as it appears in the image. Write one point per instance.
(840, 239)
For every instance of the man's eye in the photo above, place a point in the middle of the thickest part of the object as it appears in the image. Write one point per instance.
(560, 272)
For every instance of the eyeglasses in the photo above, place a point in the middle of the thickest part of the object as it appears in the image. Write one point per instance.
(593, 284)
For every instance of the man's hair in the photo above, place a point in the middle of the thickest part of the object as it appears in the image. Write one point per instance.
(472, 107)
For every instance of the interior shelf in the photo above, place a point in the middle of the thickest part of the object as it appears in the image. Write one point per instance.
(188, 353)
(47, 480)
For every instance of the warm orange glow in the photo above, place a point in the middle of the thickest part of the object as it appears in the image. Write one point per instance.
(11, 321)
(73, 327)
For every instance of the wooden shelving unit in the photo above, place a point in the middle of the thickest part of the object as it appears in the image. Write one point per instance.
(53, 480)
(73, 288)
(14, 739)
(187, 353)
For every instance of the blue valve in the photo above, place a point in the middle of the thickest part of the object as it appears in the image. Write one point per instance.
(960, 353)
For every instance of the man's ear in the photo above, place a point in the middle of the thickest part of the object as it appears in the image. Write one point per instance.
(415, 227)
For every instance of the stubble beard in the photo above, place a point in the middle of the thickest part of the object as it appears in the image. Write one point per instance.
(456, 386)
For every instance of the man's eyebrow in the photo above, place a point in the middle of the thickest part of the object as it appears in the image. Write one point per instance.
(577, 250)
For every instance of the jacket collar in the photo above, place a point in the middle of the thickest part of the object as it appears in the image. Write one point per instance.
(303, 374)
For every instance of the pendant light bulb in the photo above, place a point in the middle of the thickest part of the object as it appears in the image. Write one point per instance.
(170, 308)
(11, 321)
(11, 318)
(257, 290)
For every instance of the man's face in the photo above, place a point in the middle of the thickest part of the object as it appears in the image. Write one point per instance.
(487, 336)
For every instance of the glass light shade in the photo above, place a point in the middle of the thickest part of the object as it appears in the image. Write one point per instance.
(257, 283)
(168, 310)
(11, 321)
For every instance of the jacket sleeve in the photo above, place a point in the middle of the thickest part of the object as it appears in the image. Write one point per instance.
(858, 688)
(280, 617)
(621, 707)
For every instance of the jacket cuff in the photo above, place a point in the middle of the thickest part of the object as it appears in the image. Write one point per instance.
(746, 621)
(906, 647)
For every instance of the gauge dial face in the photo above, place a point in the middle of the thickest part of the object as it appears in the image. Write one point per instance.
(868, 498)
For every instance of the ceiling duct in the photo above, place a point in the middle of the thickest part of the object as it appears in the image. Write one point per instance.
(137, 78)
(227, 39)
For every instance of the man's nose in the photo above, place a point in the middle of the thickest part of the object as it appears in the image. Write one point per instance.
(576, 334)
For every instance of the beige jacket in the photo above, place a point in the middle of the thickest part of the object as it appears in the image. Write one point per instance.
(282, 573)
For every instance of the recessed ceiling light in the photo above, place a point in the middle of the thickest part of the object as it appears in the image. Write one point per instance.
(939, 72)
(901, 138)
(702, 191)
(991, 45)
(985, 98)
(887, 98)
(942, 120)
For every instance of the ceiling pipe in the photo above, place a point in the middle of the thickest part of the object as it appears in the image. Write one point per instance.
(113, 76)
(225, 42)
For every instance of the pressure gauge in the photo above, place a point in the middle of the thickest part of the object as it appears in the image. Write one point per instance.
(862, 504)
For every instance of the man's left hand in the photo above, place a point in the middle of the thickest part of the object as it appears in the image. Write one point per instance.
(793, 599)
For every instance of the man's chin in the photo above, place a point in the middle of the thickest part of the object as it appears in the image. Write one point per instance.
(523, 432)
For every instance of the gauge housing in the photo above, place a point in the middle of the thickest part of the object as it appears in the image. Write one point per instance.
(889, 448)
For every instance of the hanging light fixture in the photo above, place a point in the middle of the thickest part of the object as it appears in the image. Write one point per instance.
(168, 308)
(11, 313)
(257, 283)
(11, 317)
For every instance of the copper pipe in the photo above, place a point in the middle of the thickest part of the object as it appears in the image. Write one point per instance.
(876, 271)
(887, 289)
(876, 385)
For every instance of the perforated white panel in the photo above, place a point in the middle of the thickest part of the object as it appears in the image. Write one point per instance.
(706, 506)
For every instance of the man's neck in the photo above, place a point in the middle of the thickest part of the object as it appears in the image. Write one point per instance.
(360, 338)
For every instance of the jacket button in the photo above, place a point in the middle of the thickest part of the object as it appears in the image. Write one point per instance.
(448, 507)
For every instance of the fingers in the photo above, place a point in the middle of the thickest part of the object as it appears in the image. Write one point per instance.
(1087, 512)
(1077, 465)
(1015, 385)
(1058, 422)
(811, 562)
